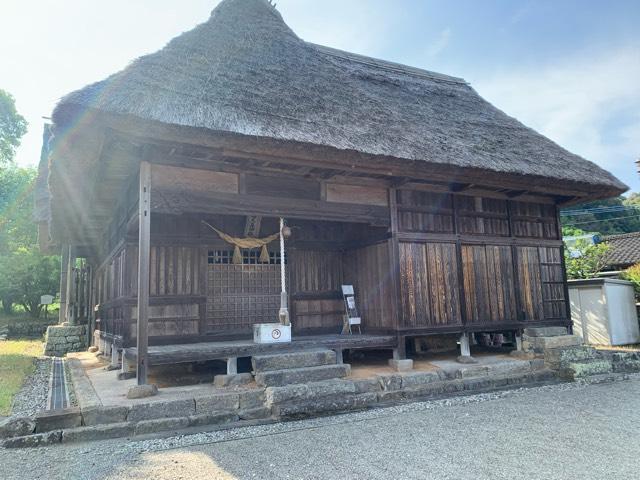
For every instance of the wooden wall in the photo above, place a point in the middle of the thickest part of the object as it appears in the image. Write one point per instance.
(478, 262)
(447, 262)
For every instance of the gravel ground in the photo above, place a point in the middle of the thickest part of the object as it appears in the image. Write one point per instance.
(34, 394)
(567, 431)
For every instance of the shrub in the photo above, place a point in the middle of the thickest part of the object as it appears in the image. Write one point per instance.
(632, 274)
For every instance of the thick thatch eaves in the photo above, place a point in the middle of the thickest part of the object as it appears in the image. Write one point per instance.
(245, 72)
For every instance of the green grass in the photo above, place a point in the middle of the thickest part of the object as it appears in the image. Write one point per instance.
(17, 360)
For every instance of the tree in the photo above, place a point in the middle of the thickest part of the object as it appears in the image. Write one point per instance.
(585, 260)
(12, 127)
(25, 273)
(618, 220)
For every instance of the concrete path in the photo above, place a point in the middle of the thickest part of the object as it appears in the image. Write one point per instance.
(554, 432)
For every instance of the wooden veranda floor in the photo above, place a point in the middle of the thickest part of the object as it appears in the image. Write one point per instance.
(200, 352)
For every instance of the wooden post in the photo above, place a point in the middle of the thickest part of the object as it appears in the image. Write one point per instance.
(144, 247)
(70, 313)
(64, 270)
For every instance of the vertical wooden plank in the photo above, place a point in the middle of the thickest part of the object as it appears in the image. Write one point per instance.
(144, 245)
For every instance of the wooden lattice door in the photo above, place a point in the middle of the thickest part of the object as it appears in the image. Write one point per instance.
(240, 295)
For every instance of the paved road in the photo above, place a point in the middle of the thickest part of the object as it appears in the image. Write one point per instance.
(559, 432)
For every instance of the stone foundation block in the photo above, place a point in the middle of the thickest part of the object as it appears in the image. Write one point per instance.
(557, 357)
(58, 420)
(325, 404)
(390, 382)
(16, 427)
(541, 344)
(36, 440)
(586, 369)
(142, 391)
(309, 390)
(254, 413)
(401, 365)
(545, 331)
(103, 415)
(161, 425)
(222, 381)
(278, 378)
(251, 398)
(419, 378)
(289, 360)
(217, 403)
(160, 410)
(366, 385)
(98, 432)
(212, 419)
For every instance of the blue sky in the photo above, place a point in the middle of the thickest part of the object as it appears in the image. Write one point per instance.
(568, 68)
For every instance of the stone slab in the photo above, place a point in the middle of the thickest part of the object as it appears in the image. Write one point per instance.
(217, 403)
(36, 440)
(58, 420)
(222, 381)
(289, 360)
(212, 419)
(419, 378)
(405, 365)
(254, 413)
(278, 378)
(545, 331)
(306, 391)
(251, 398)
(325, 405)
(104, 415)
(142, 391)
(98, 432)
(161, 425)
(157, 410)
(17, 427)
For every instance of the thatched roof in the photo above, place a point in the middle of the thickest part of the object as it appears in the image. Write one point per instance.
(244, 71)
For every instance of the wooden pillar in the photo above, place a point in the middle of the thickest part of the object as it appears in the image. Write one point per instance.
(71, 263)
(144, 247)
(64, 270)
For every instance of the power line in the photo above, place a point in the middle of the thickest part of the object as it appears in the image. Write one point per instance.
(600, 220)
(597, 210)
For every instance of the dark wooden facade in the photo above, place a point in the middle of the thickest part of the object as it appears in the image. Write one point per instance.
(424, 259)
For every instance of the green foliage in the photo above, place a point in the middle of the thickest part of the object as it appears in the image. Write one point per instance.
(608, 223)
(25, 273)
(12, 127)
(568, 231)
(587, 259)
(632, 274)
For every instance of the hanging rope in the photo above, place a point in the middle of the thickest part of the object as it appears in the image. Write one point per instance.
(247, 242)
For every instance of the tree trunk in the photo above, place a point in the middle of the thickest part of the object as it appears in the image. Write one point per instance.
(7, 305)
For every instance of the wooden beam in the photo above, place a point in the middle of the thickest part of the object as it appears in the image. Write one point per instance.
(144, 247)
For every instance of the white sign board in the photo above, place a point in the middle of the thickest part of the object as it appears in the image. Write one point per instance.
(46, 299)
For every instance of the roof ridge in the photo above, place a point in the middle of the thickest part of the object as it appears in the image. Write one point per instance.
(621, 235)
(386, 64)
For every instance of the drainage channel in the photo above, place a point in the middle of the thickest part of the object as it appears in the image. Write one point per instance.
(58, 393)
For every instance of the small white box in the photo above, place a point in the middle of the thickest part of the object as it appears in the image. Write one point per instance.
(271, 333)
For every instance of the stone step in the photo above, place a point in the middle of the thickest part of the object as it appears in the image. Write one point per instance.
(545, 331)
(307, 391)
(575, 370)
(331, 403)
(288, 360)
(558, 357)
(540, 344)
(279, 378)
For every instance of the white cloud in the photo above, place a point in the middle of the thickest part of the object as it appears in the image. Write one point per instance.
(440, 43)
(589, 104)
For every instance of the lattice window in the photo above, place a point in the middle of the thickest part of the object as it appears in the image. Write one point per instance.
(249, 257)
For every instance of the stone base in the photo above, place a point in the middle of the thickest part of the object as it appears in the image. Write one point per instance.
(541, 344)
(62, 339)
(142, 391)
(221, 381)
(466, 359)
(93, 349)
(401, 365)
(522, 355)
(126, 375)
